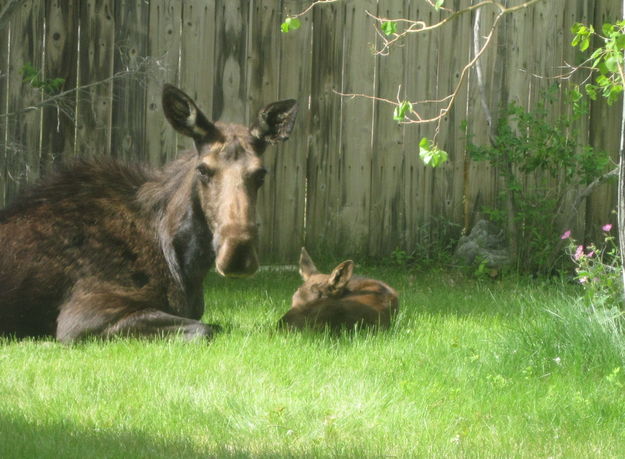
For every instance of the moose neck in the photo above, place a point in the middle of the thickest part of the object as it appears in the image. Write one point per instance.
(183, 234)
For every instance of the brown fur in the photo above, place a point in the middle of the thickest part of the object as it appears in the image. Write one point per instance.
(101, 248)
(339, 300)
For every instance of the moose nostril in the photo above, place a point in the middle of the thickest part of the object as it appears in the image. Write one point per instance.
(237, 258)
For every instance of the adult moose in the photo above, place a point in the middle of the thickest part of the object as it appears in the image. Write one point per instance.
(100, 248)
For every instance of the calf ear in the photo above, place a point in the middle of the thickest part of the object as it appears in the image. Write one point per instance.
(341, 275)
(306, 266)
(187, 118)
(275, 122)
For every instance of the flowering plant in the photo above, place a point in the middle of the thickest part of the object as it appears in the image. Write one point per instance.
(598, 269)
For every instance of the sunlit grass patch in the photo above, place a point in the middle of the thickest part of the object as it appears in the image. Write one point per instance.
(471, 368)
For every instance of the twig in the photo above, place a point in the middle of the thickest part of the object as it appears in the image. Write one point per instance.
(449, 99)
(415, 26)
(55, 99)
(310, 7)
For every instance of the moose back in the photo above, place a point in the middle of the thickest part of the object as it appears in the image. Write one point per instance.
(100, 248)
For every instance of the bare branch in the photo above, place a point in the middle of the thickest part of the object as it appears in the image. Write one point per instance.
(61, 100)
(417, 26)
(310, 7)
(416, 115)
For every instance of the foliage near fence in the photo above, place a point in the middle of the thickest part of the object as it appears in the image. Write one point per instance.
(349, 180)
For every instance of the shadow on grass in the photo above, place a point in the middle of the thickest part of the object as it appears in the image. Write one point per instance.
(43, 439)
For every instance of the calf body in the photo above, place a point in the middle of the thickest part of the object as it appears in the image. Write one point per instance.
(100, 248)
(339, 300)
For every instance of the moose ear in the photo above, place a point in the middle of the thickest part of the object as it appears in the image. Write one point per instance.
(306, 266)
(187, 118)
(275, 122)
(341, 275)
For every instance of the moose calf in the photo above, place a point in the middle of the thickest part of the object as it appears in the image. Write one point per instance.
(339, 300)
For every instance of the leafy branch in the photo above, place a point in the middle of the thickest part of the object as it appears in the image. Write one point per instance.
(32, 76)
(606, 61)
(393, 30)
(292, 21)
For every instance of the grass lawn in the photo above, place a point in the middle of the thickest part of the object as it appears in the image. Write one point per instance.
(475, 369)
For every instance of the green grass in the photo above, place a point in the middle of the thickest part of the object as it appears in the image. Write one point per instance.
(493, 369)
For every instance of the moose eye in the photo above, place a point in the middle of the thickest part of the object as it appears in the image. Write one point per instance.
(205, 172)
(258, 177)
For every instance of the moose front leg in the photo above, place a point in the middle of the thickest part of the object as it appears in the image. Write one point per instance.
(108, 314)
(152, 322)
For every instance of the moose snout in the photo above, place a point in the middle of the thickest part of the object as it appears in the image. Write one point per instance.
(237, 256)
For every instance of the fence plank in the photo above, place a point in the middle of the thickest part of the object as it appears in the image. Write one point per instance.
(129, 93)
(23, 130)
(416, 81)
(356, 153)
(482, 180)
(230, 72)
(322, 207)
(451, 188)
(388, 159)
(263, 87)
(61, 61)
(290, 171)
(197, 63)
(94, 105)
(4, 88)
(163, 46)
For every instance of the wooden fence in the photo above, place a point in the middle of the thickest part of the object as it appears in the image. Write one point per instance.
(349, 180)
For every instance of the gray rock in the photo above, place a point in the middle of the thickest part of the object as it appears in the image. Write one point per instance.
(485, 242)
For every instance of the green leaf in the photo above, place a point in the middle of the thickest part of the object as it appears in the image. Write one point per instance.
(613, 93)
(603, 81)
(584, 44)
(576, 95)
(612, 63)
(438, 4)
(430, 154)
(290, 24)
(389, 27)
(400, 111)
(591, 90)
(607, 29)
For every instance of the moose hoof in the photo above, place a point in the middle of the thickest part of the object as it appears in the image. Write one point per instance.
(201, 331)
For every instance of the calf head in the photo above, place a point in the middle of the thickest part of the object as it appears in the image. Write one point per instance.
(228, 173)
(318, 285)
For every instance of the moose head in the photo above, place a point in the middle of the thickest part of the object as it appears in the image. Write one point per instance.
(228, 173)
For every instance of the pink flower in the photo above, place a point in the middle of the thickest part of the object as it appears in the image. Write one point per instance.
(607, 227)
(579, 253)
(566, 234)
(583, 280)
(591, 253)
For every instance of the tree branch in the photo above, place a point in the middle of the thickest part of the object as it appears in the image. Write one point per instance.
(572, 213)
(310, 7)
